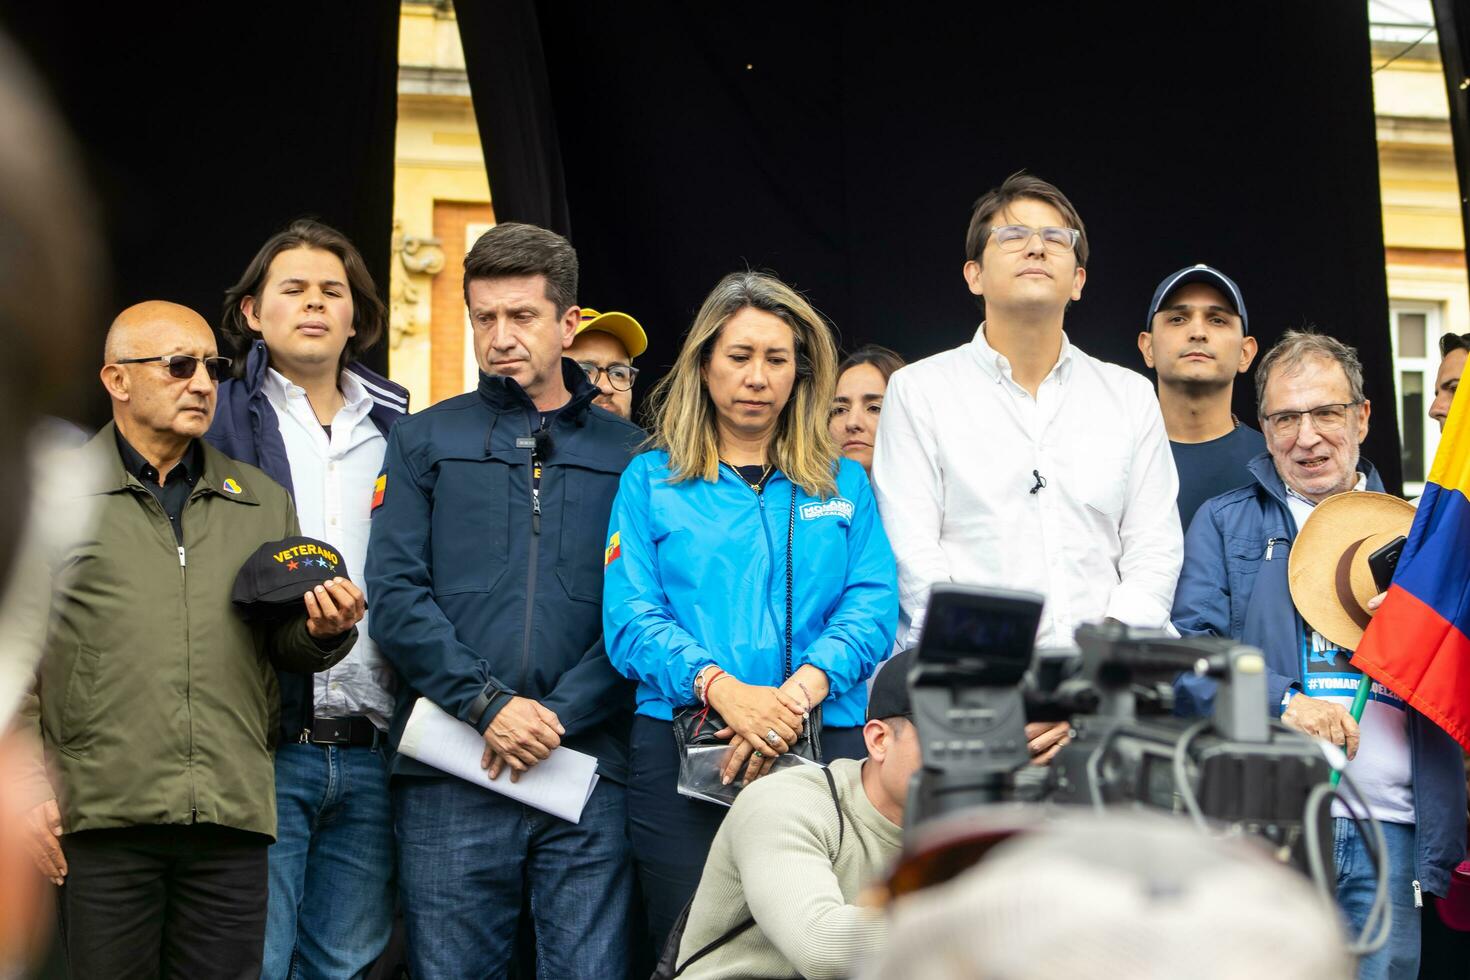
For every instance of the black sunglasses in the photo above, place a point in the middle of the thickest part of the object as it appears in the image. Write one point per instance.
(183, 366)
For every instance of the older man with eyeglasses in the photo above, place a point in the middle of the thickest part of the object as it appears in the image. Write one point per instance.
(604, 348)
(1314, 415)
(156, 701)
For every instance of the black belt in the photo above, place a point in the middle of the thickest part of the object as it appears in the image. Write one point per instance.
(356, 730)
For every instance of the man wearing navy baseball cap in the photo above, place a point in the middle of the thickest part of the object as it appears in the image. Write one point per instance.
(1197, 339)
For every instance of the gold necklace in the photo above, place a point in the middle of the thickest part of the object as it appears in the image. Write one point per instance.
(754, 486)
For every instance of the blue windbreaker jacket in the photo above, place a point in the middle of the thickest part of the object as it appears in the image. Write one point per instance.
(1234, 584)
(696, 574)
(476, 595)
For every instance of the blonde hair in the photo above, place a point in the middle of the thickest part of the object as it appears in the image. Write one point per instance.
(684, 417)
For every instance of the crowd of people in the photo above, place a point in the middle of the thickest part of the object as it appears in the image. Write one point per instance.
(220, 792)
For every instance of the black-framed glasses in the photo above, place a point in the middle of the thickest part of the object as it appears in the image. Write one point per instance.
(1013, 238)
(183, 366)
(1325, 418)
(620, 376)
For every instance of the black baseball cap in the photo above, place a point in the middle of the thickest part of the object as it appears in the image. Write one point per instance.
(281, 572)
(890, 694)
(1205, 274)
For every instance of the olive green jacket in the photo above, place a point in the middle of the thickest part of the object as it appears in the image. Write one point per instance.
(158, 703)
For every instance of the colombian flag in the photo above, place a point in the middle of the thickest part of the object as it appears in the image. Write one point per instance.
(1418, 643)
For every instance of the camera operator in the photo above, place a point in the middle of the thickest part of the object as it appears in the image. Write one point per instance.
(1133, 895)
(793, 854)
(1234, 583)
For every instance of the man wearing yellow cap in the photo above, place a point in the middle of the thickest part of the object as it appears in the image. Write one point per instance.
(604, 347)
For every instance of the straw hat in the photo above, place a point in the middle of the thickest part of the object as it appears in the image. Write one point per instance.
(1328, 570)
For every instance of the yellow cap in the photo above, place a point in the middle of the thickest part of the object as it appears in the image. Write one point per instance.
(620, 325)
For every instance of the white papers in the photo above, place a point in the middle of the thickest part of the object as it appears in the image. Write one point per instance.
(560, 784)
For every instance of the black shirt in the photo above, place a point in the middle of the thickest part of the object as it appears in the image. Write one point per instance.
(176, 486)
(1208, 469)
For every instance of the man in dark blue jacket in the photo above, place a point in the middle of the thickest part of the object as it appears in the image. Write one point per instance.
(485, 581)
(1234, 583)
(317, 421)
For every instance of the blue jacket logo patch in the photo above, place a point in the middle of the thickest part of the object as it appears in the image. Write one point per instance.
(835, 507)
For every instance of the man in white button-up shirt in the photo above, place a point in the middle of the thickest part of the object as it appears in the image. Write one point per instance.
(314, 419)
(1016, 460)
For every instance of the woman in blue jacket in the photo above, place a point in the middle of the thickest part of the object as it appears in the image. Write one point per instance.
(699, 595)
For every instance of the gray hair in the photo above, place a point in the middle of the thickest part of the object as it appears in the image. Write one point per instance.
(1298, 345)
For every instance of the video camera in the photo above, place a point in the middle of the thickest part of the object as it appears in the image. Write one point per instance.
(977, 681)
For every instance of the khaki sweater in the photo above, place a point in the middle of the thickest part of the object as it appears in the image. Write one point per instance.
(776, 859)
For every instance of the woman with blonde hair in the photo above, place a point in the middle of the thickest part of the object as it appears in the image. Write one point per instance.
(748, 577)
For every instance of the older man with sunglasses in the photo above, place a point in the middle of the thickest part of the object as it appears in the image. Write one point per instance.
(155, 698)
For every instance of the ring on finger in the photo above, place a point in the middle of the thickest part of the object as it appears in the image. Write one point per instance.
(772, 737)
(757, 754)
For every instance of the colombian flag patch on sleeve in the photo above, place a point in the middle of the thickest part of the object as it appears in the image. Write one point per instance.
(379, 485)
(614, 550)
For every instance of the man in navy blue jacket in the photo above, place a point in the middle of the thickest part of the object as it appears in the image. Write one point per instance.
(1234, 583)
(317, 421)
(485, 580)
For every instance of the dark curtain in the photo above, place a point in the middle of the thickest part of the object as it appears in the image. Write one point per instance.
(207, 128)
(513, 109)
(843, 144)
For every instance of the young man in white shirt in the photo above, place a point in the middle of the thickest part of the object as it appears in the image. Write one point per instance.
(1015, 459)
(317, 421)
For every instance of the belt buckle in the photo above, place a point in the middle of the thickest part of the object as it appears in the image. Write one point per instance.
(331, 731)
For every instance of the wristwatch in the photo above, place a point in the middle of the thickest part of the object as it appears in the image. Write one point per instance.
(488, 695)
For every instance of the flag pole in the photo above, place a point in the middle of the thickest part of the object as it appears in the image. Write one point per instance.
(1360, 701)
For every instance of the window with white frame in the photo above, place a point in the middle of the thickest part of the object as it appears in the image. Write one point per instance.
(1415, 330)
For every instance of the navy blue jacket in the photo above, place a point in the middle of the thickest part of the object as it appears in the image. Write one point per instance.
(245, 427)
(1234, 584)
(474, 598)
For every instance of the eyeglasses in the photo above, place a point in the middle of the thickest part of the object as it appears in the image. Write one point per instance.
(183, 366)
(620, 376)
(1325, 418)
(1013, 238)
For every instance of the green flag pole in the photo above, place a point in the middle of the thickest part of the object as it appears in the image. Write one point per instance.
(1360, 701)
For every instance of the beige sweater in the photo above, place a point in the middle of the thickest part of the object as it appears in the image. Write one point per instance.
(776, 859)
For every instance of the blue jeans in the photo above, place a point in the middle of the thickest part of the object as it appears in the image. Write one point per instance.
(465, 855)
(331, 867)
(1356, 881)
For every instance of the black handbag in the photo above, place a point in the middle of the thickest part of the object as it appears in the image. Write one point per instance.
(695, 725)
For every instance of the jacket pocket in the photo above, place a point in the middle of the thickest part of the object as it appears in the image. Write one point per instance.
(1243, 557)
(74, 728)
(470, 526)
(587, 497)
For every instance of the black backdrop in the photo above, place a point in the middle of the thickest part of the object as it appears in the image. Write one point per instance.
(206, 129)
(845, 157)
(842, 144)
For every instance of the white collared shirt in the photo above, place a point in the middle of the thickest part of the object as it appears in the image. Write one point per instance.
(332, 479)
(960, 448)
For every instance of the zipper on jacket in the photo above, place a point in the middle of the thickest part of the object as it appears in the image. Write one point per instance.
(1271, 546)
(760, 497)
(531, 566)
(1418, 895)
